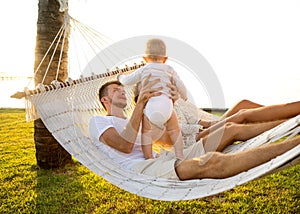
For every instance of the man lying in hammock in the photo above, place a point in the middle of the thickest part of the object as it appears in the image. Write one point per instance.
(118, 135)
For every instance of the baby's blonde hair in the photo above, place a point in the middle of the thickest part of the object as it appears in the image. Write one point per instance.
(155, 48)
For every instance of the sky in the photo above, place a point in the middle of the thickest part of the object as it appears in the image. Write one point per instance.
(252, 46)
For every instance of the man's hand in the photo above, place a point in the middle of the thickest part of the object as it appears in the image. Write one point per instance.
(147, 91)
(174, 95)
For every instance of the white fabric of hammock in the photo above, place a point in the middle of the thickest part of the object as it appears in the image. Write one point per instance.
(66, 111)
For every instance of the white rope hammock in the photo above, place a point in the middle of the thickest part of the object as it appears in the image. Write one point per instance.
(66, 108)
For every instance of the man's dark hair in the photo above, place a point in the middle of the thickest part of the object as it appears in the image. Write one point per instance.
(103, 90)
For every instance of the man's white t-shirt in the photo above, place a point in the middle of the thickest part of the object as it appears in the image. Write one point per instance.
(162, 166)
(99, 124)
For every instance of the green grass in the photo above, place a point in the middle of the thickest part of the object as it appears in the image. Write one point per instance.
(74, 189)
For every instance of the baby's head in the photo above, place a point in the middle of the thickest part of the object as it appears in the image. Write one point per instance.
(155, 51)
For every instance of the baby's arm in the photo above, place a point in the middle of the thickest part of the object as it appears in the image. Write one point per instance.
(132, 78)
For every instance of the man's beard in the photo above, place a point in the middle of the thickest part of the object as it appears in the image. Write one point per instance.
(119, 104)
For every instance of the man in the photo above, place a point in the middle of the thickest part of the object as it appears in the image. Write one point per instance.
(119, 136)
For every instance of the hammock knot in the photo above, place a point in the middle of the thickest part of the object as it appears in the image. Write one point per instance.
(27, 91)
(40, 87)
(56, 83)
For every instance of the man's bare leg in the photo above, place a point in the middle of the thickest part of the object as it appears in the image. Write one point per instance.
(218, 165)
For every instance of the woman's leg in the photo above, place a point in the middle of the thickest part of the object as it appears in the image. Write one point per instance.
(243, 104)
(260, 114)
(269, 113)
(231, 132)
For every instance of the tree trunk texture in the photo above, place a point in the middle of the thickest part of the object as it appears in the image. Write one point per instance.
(49, 153)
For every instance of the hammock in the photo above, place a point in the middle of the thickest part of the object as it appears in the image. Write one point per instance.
(66, 108)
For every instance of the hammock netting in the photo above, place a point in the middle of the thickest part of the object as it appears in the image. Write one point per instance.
(65, 109)
(66, 112)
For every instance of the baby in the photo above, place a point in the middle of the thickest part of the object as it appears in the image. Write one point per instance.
(158, 113)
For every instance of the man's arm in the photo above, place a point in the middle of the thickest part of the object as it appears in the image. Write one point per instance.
(113, 139)
(124, 141)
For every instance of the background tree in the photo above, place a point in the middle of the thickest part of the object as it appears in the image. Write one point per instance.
(49, 153)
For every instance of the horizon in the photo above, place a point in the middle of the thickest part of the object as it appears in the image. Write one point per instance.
(255, 54)
(8, 88)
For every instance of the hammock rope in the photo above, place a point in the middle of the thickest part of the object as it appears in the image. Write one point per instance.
(63, 45)
(66, 113)
(59, 33)
(66, 107)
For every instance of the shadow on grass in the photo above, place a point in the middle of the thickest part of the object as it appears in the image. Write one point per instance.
(75, 189)
(61, 190)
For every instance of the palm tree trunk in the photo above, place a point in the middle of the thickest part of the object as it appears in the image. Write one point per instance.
(49, 153)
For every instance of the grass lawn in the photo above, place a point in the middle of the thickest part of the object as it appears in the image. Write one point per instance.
(74, 189)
